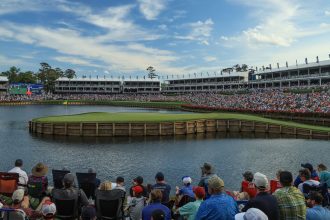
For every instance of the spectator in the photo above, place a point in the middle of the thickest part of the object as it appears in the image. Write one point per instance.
(324, 174)
(88, 213)
(251, 214)
(162, 186)
(207, 173)
(314, 175)
(155, 204)
(48, 210)
(23, 178)
(136, 203)
(107, 185)
(247, 185)
(305, 176)
(315, 210)
(120, 183)
(138, 181)
(275, 183)
(263, 200)
(190, 209)
(219, 206)
(187, 189)
(290, 200)
(158, 215)
(39, 172)
(70, 192)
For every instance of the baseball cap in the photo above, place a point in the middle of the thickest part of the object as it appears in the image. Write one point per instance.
(186, 179)
(138, 180)
(159, 176)
(68, 178)
(260, 180)
(216, 182)
(308, 166)
(137, 189)
(199, 191)
(48, 208)
(251, 214)
(18, 195)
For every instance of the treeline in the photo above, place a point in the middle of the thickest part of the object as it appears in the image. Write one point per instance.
(46, 75)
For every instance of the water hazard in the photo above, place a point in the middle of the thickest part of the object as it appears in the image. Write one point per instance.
(129, 157)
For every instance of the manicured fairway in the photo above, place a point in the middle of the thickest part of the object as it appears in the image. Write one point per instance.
(159, 117)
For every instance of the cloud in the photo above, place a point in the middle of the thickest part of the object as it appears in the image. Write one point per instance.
(198, 31)
(151, 8)
(130, 57)
(210, 59)
(75, 61)
(327, 13)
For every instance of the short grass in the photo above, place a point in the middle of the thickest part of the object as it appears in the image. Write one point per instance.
(160, 117)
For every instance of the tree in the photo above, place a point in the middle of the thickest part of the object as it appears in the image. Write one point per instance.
(11, 74)
(244, 67)
(59, 72)
(26, 77)
(70, 73)
(151, 73)
(48, 76)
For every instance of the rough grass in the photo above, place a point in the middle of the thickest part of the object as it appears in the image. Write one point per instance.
(160, 117)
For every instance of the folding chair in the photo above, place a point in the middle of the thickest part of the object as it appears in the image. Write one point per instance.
(66, 208)
(12, 214)
(87, 182)
(110, 204)
(8, 183)
(58, 176)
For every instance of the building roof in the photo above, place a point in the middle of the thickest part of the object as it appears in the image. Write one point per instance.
(3, 79)
(294, 67)
(102, 79)
(210, 76)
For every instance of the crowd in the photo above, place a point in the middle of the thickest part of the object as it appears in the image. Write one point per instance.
(253, 99)
(283, 198)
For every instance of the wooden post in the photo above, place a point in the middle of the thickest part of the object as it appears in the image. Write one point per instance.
(205, 126)
(240, 126)
(280, 129)
(97, 129)
(228, 124)
(66, 128)
(145, 129)
(254, 126)
(113, 129)
(81, 128)
(42, 128)
(217, 125)
(187, 128)
(310, 134)
(195, 128)
(52, 128)
(267, 128)
(129, 129)
(295, 131)
(160, 128)
(173, 128)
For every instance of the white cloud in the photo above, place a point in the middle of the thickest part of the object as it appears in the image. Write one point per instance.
(75, 61)
(327, 13)
(151, 8)
(198, 31)
(131, 57)
(210, 59)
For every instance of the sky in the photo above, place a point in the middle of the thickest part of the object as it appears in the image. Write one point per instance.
(124, 37)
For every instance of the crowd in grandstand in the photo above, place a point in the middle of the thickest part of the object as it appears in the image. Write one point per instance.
(25, 196)
(254, 99)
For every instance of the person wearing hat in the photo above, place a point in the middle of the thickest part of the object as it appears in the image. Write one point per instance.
(263, 200)
(190, 209)
(39, 172)
(187, 188)
(207, 173)
(18, 197)
(138, 181)
(314, 175)
(291, 202)
(315, 210)
(48, 210)
(219, 206)
(251, 214)
(136, 203)
(162, 186)
(69, 192)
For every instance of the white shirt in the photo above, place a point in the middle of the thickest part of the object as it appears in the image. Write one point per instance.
(23, 178)
(308, 182)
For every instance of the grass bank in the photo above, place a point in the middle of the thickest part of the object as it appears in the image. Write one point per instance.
(159, 117)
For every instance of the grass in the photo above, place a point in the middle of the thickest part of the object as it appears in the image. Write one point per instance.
(160, 117)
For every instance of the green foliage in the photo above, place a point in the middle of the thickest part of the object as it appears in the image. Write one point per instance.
(69, 73)
(151, 73)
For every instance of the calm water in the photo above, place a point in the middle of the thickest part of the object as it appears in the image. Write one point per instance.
(129, 157)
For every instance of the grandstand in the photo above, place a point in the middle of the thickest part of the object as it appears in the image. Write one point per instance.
(3, 84)
(106, 86)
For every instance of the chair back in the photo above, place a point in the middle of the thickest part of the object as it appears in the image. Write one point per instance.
(58, 176)
(109, 204)
(35, 189)
(8, 183)
(65, 208)
(87, 182)
(13, 214)
(184, 200)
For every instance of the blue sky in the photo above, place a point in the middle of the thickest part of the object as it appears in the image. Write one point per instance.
(116, 37)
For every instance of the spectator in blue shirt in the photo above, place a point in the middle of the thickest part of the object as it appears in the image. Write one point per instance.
(316, 211)
(219, 206)
(162, 186)
(155, 199)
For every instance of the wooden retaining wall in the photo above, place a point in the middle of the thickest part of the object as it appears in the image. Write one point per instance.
(93, 129)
